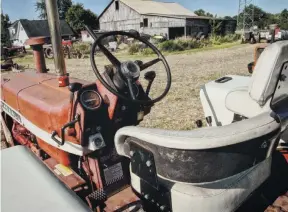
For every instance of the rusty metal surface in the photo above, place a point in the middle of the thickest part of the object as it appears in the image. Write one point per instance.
(280, 204)
(72, 181)
(33, 93)
(63, 81)
(39, 59)
(110, 99)
(59, 155)
(120, 199)
(24, 137)
(91, 167)
(285, 154)
(35, 41)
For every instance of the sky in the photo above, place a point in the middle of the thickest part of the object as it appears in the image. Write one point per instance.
(17, 9)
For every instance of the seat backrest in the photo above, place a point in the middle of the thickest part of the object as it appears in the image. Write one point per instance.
(266, 72)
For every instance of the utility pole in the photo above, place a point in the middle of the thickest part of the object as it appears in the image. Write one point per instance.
(247, 15)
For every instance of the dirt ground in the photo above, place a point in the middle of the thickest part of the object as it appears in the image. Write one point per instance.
(181, 107)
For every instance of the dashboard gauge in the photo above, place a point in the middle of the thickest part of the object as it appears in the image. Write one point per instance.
(90, 100)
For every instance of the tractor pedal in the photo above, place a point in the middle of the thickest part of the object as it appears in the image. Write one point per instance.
(97, 199)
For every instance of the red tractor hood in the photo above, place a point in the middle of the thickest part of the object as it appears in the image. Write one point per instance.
(38, 98)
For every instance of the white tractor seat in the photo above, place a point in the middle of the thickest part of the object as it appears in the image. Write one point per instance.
(208, 169)
(255, 99)
(248, 97)
(239, 102)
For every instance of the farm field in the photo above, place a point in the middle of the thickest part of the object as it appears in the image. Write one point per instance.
(190, 70)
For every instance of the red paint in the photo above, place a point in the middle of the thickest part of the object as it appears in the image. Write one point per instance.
(67, 43)
(285, 154)
(63, 81)
(37, 46)
(23, 137)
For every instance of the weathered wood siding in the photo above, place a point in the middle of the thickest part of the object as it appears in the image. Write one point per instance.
(158, 25)
(126, 18)
(123, 19)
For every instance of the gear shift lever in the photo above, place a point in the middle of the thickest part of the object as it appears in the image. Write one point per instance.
(149, 76)
(73, 87)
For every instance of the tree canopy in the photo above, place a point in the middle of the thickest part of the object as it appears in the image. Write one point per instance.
(77, 16)
(5, 23)
(74, 14)
(262, 18)
(63, 7)
(202, 12)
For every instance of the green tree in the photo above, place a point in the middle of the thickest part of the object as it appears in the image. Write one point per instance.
(5, 23)
(228, 18)
(202, 12)
(63, 7)
(260, 16)
(77, 16)
(283, 19)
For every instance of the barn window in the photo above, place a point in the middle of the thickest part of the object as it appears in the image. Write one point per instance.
(141, 24)
(145, 20)
(117, 5)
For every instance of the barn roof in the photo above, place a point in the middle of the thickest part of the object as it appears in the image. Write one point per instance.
(39, 28)
(158, 8)
(150, 7)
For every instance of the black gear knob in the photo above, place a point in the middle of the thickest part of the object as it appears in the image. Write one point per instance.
(150, 75)
(134, 32)
(75, 86)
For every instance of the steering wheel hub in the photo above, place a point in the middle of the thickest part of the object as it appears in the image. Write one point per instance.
(130, 70)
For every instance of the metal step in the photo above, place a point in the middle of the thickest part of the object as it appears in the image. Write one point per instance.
(65, 174)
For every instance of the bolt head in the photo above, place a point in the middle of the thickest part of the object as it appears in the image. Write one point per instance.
(148, 163)
(146, 196)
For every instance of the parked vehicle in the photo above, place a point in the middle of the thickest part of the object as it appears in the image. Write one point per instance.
(255, 35)
(10, 51)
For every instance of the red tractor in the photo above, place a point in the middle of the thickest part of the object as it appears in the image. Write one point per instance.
(86, 136)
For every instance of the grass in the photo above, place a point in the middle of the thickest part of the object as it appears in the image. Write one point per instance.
(185, 44)
(28, 59)
(191, 51)
(181, 107)
(221, 46)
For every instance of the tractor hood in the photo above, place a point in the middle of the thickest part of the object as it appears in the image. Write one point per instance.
(38, 98)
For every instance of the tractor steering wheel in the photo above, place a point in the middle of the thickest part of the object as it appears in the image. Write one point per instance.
(129, 71)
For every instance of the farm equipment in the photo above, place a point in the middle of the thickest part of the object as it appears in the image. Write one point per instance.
(10, 51)
(66, 46)
(86, 136)
(256, 36)
(260, 48)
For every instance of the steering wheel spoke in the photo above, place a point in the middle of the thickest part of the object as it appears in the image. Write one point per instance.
(150, 63)
(109, 55)
(131, 90)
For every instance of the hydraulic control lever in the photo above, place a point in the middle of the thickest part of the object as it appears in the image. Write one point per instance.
(69, 124)
(149, 76)
(73, 87)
